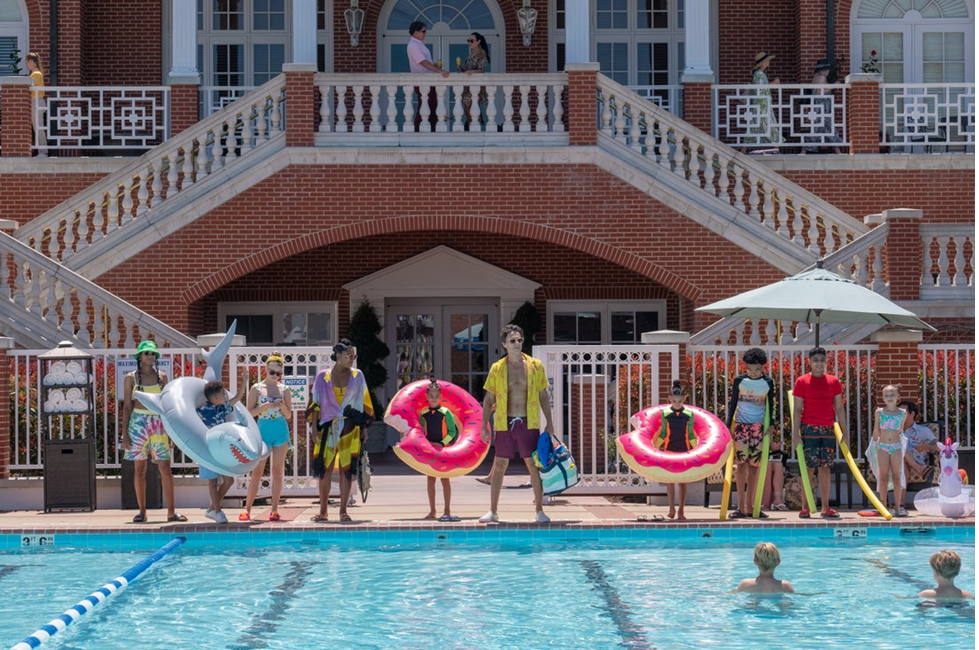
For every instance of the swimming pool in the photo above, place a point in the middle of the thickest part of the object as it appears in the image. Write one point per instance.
(483, 588)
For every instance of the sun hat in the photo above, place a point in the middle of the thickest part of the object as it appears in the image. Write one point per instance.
(146, 346)
(823, 64)
(761, 57)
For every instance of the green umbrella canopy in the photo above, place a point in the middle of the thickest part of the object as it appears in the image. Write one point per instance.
(816, 296)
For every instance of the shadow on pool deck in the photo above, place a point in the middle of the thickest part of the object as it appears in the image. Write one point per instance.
(398, 499)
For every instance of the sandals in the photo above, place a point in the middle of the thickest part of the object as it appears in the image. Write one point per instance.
(244, 517)
(274, 517)
(449, 518)
(319, 518)
(780, 506)
(805, 514)
(176, 517)
(140, 518)
(736, 514)
(483, 480)
(345, 518)
(830, 514)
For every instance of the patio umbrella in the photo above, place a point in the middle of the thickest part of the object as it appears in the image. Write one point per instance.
(817, 296)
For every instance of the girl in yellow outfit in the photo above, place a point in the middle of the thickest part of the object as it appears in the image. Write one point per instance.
(340, 408)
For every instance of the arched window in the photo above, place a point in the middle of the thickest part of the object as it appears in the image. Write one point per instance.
(449, 23)
(13, 36)
(914, 41)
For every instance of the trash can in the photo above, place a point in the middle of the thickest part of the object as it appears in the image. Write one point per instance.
(154, 489)
(69, 475)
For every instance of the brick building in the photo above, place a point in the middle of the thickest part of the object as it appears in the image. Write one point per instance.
(607, 194)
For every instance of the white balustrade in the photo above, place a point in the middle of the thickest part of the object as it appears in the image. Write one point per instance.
(948, 262)
(801, 217)
(500, 106)
(933, 117)
(119, 203)
(806, 115)
(61, 304)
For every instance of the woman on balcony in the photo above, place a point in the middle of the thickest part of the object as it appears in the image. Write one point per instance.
(477, 61)
(40, 105)
(768, 130)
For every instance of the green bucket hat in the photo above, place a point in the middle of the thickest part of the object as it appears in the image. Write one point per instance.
(146, 346)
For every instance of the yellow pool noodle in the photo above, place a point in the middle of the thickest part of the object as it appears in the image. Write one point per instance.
(845, 450)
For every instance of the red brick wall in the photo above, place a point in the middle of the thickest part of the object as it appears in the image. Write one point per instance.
(863, 192)
(897, 364)
(123, 43)
(746, 27)
(581, 209)
(21, 200)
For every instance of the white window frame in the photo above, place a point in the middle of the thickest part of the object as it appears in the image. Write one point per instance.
(208, 37)
(605, 309)
(18, 30)
(277, 311)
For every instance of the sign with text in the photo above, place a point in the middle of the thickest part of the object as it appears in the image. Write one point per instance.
(126, 365)
(298, 387)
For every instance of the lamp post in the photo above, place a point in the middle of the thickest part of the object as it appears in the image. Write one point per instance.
(354, 17)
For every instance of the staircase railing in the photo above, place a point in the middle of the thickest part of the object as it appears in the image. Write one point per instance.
(118, 202)
(44, 302)
(789, 210)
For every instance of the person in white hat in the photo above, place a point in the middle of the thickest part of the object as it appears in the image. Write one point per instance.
(768, 130)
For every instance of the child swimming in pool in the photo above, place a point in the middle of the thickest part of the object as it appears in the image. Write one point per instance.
(946, 565)
(888, 425)
(677, 436)
(440, 429)
(766, 559)
(214, 412)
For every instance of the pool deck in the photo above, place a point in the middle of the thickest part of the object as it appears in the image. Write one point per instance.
(398, 502)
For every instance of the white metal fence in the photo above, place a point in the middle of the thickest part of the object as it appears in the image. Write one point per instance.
(102, 117)
(932, 117)
(948, 378)
(595, 389)
(803, 115)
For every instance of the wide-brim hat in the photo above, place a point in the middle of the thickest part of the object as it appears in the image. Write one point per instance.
(823, 64)
(761, 57)
(146, 346)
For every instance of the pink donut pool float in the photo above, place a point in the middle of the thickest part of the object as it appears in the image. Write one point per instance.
(710, 454)
(457, 459)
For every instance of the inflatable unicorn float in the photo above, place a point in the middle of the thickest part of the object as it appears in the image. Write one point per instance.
(231, 448)
(951, 498)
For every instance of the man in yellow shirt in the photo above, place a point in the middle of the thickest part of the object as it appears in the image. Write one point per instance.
(517, 386)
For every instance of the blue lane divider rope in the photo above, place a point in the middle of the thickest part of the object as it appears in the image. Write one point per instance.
(96, 598)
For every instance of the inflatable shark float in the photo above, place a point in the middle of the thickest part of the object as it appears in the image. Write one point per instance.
(231, 448)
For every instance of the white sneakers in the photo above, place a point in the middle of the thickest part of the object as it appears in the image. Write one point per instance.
(217, 517)
(492, 517)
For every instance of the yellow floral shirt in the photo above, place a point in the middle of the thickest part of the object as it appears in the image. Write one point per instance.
(496, 383)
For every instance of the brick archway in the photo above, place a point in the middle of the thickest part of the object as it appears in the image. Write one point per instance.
(482, 224)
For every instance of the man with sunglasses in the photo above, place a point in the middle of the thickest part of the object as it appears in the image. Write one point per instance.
(420, 61)
(817, 404)
(517, 387)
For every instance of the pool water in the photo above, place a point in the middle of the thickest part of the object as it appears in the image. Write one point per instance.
(660, 593)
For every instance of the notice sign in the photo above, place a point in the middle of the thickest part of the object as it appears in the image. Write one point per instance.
(127, 364)
(298, 387)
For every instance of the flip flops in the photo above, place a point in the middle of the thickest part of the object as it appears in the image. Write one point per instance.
(780, 506)
(274, 517)
(830, 514)
(244, 517)
(445, 518)
(483, 480)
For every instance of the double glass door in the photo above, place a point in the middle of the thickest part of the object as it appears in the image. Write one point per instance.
(456, 343)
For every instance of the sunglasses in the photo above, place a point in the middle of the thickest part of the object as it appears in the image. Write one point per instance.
(470, 40)
(423, 30)
(275, 373)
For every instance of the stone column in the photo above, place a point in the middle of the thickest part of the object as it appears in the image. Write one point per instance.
(698, 76)
(300, 93)
(15, 105)
(184, 78)
(5, 375)
(577, 48)
(897, 361)
(582, 92)
(863, 112)
(904, 255)
(304, 31)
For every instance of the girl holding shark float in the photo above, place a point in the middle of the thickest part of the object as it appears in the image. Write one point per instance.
(340, 409)
(271, 405)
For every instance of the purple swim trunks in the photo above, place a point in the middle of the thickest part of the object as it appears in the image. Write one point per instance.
(516, 438)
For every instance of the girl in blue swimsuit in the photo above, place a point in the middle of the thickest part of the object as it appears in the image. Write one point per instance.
(888, 425)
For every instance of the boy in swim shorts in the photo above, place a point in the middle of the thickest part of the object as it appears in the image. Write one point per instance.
(818, 403)
(750, 414)
(215, 411)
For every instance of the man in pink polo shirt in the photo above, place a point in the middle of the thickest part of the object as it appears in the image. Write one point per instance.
(818, 403)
